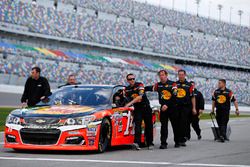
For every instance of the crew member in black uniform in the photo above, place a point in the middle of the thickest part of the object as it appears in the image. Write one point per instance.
(135, 92)
(184, 105)
(200, 103)
(36, 89)
(221, 100)
(165, 89)
(71, 81)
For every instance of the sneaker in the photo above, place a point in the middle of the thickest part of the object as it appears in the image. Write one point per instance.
(136, 146)
(222, 140)
(182, 144)
(177, 145)
(150, 147)
(199, 137)
(163, 146)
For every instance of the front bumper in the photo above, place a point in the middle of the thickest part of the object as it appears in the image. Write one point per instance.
(61, 138)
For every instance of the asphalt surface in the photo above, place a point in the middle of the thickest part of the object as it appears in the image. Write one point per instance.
(10, 99)
(205, 152)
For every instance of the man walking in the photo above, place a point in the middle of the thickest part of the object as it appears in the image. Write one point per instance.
(165, 88)
(184, 106)
(221, 100)
(200, 103)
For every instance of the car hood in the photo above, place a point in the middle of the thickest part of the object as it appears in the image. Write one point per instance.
(64, 111)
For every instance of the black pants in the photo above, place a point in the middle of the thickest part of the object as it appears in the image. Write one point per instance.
(164, 117)
(143, 113)
(181, 120)
(195, 124)
(222, 118)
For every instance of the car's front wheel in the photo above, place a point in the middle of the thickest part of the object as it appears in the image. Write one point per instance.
(105, 135)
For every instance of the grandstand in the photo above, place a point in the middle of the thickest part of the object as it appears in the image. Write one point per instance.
(102, 41)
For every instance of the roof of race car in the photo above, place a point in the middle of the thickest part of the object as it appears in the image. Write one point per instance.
(88, 85)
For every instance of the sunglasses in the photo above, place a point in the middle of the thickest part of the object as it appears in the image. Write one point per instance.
(130, 79)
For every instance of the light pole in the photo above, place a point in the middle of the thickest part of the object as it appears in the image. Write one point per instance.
(198, 5)
(249, 19)
(230, 15)
(185, 6)
(173, 4)
(209, 8)
(159, 3)
(240, 12)
(220, 8)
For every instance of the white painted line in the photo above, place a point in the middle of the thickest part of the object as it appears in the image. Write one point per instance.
(121, 162)
(1, 143)
(1, 132)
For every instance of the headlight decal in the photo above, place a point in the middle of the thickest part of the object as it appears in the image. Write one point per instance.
(80, 120)
(11, 119)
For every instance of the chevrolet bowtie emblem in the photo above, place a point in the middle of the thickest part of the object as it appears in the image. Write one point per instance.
(40, 121)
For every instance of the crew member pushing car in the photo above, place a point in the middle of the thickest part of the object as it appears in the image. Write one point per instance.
(142, 111)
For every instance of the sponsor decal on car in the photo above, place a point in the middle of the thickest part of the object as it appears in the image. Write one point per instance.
(62, 110)
(91, 130)
(91, 141)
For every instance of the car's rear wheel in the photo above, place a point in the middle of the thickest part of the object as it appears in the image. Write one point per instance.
(105, 135)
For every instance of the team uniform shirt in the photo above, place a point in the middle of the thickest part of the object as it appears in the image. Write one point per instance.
(132, 92)
(185, 90)
(223, 99)
(165, 92)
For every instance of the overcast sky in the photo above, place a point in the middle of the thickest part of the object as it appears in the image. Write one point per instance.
(236, 5)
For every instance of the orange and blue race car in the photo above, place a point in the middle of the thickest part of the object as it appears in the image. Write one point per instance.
(80, 117)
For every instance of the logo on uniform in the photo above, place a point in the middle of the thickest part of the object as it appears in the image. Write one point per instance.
(221, 99)
(134, 95)
(181, 93)
(166, 95)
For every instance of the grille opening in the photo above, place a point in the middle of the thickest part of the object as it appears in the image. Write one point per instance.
(40, 136)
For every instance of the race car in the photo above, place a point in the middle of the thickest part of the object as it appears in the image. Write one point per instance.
(80, 117)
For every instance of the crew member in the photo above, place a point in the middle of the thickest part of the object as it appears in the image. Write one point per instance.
(185, 104)
(71, 81)
(221, 100)
(165, 89)
(135, 92)
(36, 89)
(200, 103)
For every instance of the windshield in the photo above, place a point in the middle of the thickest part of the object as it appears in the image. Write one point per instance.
(90, 96)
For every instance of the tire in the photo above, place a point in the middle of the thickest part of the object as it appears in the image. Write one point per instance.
(105, 135)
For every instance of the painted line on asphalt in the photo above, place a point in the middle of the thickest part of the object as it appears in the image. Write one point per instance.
(121, 162)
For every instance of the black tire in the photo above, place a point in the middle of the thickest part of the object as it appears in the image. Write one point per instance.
(105, 135)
